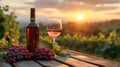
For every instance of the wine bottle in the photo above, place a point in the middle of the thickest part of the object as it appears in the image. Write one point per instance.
(32, 32)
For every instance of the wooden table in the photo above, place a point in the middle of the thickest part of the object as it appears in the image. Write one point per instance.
(75, 60)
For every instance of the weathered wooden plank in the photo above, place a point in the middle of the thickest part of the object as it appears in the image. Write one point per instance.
(52, 63)
(1, 64)
(26, 64)
(4, 64)
(12, 64)
(97, 62)
(63, 62)
(87, 61)
(75, 62)
(41, 64)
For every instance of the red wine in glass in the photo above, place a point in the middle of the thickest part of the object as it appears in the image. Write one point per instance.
(54, 33)
(54, 29)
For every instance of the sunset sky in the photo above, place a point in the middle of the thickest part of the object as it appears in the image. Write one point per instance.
(67, 10)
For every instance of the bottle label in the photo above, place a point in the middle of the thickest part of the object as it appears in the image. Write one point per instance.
(32, 19)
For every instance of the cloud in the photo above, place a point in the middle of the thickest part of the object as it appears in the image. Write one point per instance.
(114, 13)
(75, 5)
(104, 8)
(61, 5)
(97, 1)
(44, 3)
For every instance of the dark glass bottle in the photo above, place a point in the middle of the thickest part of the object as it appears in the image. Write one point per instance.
(32, 32)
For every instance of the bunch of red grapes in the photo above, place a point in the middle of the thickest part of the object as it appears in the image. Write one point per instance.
(43, 54)
(17, 53)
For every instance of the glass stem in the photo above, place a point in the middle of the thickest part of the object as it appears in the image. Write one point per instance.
(53, 43)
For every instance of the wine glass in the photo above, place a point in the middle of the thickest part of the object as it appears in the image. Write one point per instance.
(54, 28)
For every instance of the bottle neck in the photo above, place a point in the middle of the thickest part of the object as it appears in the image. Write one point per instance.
(32, 15)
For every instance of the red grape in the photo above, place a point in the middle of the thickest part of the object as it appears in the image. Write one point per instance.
(17, 53)
(43, 53)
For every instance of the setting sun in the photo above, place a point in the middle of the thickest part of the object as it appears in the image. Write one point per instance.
(80, 16)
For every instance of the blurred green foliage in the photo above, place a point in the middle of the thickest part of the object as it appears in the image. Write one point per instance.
(9, 28)
(106, 47)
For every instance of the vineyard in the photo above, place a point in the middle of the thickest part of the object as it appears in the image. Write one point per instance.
(100, 39)
(102, 46)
